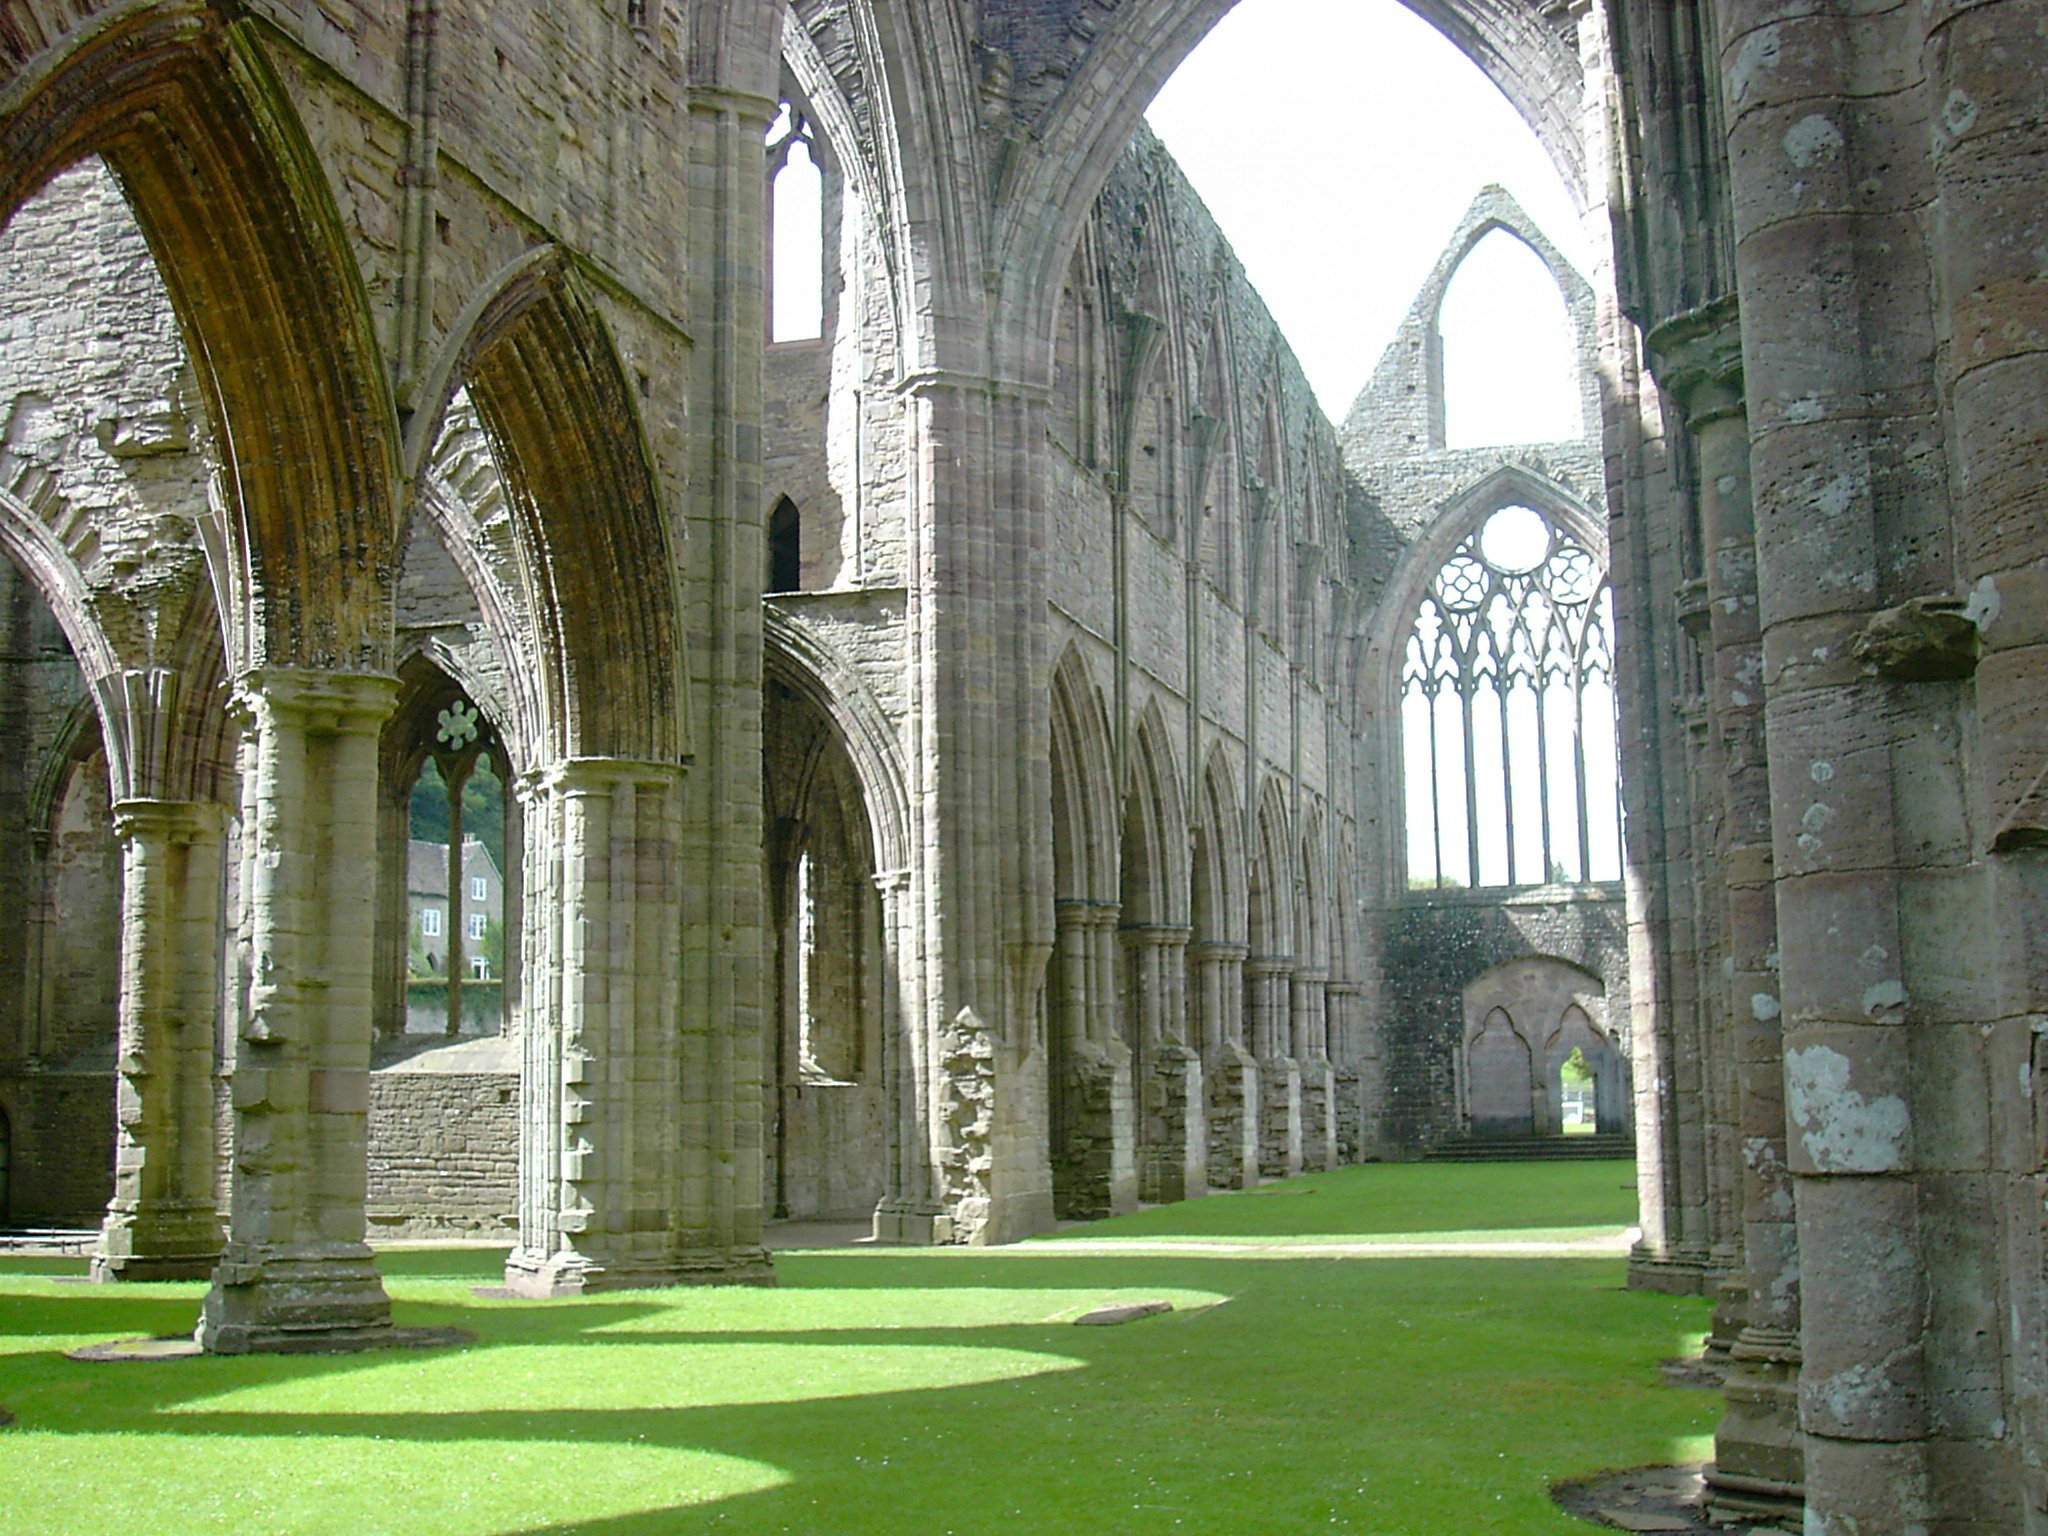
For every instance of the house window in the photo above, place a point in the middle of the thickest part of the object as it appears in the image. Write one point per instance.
(480, 968)
(430, 922)
(476, 888)
(476, 925)
(1507, 712)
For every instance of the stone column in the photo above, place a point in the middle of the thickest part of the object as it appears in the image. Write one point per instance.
(1309, 1004)
(909, 1211)
(161, 1223)
(1342, 1001)
(297, 1273)
(1267, 986)
(1757, 1459)
(1231, 1071)
(1984, 1194)
(1173, 1146)
(603, 1175)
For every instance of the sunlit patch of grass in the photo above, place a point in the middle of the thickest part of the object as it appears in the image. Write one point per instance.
(895, 1391)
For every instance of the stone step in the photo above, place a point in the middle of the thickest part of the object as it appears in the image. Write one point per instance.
(1531, 1149)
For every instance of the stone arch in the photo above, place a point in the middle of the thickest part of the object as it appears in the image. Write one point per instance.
(181, 105)
(1084, 817)
(1549, 1004)
(1129, 57)
(807, 667)
(459, 500)
(1498, 1080)
(1217, 886)
(1270, 891)
(1157, 891)
(1312, 916)
(1088, 1064)
(551, 395)
(1401, 411)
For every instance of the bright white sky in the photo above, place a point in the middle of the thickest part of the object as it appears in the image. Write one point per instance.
(1356, 137)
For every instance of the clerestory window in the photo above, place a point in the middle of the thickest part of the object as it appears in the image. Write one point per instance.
(796, 230)
(1507, 710)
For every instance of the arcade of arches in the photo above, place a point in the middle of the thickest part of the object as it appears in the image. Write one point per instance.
(492, 744)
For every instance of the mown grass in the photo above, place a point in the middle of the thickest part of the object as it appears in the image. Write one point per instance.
(901, 1392)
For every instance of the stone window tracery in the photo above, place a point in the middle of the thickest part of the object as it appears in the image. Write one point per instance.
(1507, 704)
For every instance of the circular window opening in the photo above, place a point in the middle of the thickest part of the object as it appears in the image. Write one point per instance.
(1515, 540)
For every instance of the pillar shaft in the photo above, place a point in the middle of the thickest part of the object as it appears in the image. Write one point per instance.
(1758, 1466)
(161, 1223)
(605, 1199)
(297, 1272)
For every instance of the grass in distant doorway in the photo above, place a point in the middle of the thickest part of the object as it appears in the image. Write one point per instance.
(891, 1392)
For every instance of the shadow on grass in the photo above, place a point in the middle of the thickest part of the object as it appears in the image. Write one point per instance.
(1409, 1396)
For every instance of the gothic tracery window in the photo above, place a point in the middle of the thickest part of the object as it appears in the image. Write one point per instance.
(1507, 707)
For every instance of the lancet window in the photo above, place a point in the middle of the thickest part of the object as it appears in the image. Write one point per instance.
(796, 235)
(1507, 702)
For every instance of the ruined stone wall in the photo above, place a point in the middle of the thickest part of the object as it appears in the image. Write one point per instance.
(1437, 944)
(444, 1144)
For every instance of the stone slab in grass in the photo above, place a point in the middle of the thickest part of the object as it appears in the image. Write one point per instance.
(185, 1347)
(1128, 1312)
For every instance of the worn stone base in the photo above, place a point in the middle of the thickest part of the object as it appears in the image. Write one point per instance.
(1096, 1173)
(1233, 1094)
(158, 1243)
(1672, 1274)
(914, 1226)
(1174, 1161)
(288, 1301)
(1759, 1468)
(533, 1278)
(1318, 1114)
(1349, 1111)
(1664, 1499)
(1280, 1124)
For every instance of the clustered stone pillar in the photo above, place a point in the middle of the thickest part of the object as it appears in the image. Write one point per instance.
(909, 1211)
(602, 1168)
(1231, 1071)
(1311, 1029)
(1757, 1470)
(162, 1223)
(1267, 980)
(1174, 1140)
(1348, 1086)
(1096, 1145)
(297, 1272)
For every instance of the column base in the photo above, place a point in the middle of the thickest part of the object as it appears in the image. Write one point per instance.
(1234, 1122)
(533, 1277)
(903, 1223)
(1675, 1273)
(1175, 1157)
(1759, 1470)
(1096, 1173)
(1318, 1114)
(1279, 1118)
(158, 1243)
(1348, 1110)
(290, 1301)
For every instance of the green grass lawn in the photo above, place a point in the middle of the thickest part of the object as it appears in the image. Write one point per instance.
(906, 1391)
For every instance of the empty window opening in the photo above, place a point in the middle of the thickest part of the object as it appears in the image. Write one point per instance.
(1507, 713)
(785, 548)
(1510, 360)
(455, 877)
(796, 230)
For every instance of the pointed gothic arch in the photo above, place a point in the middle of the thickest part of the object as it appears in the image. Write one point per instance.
(182, 106)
